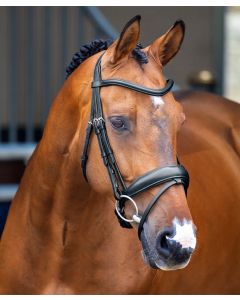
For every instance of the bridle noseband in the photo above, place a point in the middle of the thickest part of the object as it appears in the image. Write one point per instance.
(168, 176)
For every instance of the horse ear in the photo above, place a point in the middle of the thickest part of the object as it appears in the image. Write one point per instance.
(127, 40)
(166, 47)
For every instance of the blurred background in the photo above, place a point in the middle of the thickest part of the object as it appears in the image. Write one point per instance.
(37, 44)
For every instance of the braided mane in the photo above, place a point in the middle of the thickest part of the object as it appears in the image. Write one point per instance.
(96, 46)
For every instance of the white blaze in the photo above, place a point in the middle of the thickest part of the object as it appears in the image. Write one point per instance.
(157, 101)
(184, 233)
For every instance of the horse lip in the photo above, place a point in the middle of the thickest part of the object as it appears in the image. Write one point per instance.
(148, 261)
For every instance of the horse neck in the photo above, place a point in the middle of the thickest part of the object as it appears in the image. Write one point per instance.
(53, 191)
(56, 211)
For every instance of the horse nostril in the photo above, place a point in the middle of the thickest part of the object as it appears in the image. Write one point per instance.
(168, 248)
(163, 246)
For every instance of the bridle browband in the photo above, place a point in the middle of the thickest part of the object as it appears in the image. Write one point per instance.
(168, 176)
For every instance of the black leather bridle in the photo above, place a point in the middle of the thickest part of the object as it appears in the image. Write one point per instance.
(168, 176)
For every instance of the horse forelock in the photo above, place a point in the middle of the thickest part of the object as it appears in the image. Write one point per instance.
(97, 46)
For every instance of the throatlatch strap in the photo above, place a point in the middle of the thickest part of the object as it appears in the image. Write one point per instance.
(85, 150)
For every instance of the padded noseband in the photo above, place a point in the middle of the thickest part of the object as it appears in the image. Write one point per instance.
(157, 177)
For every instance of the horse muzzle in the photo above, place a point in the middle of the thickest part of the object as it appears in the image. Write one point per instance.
(172, 248)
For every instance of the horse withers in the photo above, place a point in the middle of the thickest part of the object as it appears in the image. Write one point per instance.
(110, 137)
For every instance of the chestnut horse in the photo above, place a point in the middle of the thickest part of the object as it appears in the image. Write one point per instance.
(61, 234)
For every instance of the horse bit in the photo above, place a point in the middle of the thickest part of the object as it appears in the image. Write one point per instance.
(168, 175)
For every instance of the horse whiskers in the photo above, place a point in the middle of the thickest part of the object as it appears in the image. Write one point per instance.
(150, 253)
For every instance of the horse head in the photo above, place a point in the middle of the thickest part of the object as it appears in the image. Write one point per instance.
(137, 131)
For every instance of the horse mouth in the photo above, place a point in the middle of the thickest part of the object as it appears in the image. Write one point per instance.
(155, 261)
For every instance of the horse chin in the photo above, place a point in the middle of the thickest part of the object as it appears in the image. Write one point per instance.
(163, 266)
(151, 257)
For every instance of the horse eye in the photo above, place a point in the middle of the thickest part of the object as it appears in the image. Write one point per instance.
(118, 123)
